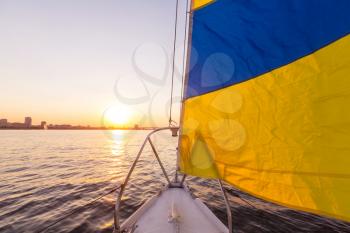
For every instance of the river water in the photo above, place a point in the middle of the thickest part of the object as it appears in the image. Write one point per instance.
(47, 174)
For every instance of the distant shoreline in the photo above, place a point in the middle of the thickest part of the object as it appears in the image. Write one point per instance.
(83, 129)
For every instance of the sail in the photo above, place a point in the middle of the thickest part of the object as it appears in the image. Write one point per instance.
(267, 100)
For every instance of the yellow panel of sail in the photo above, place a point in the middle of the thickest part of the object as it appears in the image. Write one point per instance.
(200, 3)
(283, 136)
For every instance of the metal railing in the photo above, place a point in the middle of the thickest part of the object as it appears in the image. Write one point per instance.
(228, 209)
(122, 188)
(117, 226)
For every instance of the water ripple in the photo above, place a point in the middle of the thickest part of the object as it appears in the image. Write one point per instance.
(54, 172)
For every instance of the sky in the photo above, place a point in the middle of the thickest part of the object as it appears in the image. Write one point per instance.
(71, 62)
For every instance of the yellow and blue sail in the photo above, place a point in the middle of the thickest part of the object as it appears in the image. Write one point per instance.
(267, 100)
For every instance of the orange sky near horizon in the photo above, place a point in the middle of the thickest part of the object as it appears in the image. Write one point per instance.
(68, 62)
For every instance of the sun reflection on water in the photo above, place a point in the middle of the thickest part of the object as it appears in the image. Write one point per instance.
(118, 142)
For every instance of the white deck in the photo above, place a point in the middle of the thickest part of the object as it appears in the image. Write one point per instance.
(188, 215)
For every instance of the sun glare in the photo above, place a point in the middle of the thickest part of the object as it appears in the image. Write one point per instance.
(118, 116)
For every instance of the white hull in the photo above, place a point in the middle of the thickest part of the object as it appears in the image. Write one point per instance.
(174, 210)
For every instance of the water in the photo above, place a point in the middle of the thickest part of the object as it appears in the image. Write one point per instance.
(46, 174)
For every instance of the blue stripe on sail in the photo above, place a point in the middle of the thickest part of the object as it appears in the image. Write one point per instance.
(236, 40)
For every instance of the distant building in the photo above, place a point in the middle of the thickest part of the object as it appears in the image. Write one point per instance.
(61, 126)
(3, 123)
(17, 125)
(136, 126)
(43, 125)
(28, 122)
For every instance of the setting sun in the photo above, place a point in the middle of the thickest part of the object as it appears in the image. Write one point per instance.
(118, 115)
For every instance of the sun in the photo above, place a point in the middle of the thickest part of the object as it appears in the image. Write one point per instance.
(118, 115)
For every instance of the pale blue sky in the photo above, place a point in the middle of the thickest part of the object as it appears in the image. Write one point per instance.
(60, 59)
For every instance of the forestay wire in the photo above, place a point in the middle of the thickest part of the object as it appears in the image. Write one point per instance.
(173, 65)
(184, 53)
